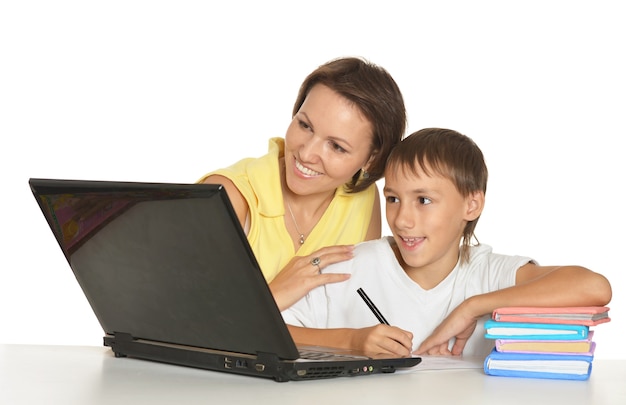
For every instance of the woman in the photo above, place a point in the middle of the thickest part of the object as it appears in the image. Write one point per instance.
(313, 195)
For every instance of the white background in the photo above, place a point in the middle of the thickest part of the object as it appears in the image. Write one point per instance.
(168, 90)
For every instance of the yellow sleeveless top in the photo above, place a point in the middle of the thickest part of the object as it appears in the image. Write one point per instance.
(345, 221)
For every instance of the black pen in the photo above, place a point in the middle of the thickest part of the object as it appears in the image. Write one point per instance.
(371, 305)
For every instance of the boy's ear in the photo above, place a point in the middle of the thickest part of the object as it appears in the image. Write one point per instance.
(475, 205)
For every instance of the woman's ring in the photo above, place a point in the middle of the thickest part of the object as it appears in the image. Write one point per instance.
(316, 262)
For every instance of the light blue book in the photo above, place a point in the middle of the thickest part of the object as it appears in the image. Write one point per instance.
(532, 365)
(532, 331)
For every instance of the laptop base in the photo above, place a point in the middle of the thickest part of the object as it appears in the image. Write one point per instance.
(263, 365)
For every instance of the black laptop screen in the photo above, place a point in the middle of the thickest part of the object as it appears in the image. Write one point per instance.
(168, 263)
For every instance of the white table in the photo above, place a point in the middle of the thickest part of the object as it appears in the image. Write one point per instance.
(31, 374)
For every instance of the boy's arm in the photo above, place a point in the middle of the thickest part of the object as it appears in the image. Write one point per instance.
(557, 286)
(374, 339)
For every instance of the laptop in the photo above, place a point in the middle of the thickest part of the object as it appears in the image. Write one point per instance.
(170, 276)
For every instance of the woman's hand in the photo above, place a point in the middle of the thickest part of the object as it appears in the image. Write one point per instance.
(301, 274)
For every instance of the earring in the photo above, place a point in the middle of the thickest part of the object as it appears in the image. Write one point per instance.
(366, 175)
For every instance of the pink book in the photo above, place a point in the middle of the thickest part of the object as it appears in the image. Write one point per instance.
(583, 346)
(589, 316)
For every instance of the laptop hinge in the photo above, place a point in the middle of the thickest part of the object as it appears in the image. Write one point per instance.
(118, 341)
(122, 336)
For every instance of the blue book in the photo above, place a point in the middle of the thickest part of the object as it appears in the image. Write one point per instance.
(533, 365)
(534, 331)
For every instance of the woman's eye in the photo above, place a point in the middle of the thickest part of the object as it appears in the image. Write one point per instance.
(304, 124)
(336, 147)
(424, 200)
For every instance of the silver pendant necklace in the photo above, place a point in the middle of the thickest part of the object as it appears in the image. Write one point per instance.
(295, 223)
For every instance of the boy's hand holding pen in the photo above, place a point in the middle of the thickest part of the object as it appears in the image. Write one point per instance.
(405, 346)
(371, 306)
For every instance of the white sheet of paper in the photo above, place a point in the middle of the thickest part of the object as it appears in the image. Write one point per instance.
(446, 363)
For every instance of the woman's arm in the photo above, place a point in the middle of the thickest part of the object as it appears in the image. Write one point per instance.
(236, 198)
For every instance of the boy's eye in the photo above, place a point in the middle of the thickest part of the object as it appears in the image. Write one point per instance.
(424, 200)
(392, 200)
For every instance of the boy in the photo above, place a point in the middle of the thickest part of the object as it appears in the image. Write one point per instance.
(431, 284)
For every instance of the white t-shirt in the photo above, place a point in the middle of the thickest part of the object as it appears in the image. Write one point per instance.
(403, 302)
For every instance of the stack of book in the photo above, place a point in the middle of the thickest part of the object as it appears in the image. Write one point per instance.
(543, 342)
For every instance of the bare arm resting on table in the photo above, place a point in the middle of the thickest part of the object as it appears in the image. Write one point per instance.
(557, 286)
